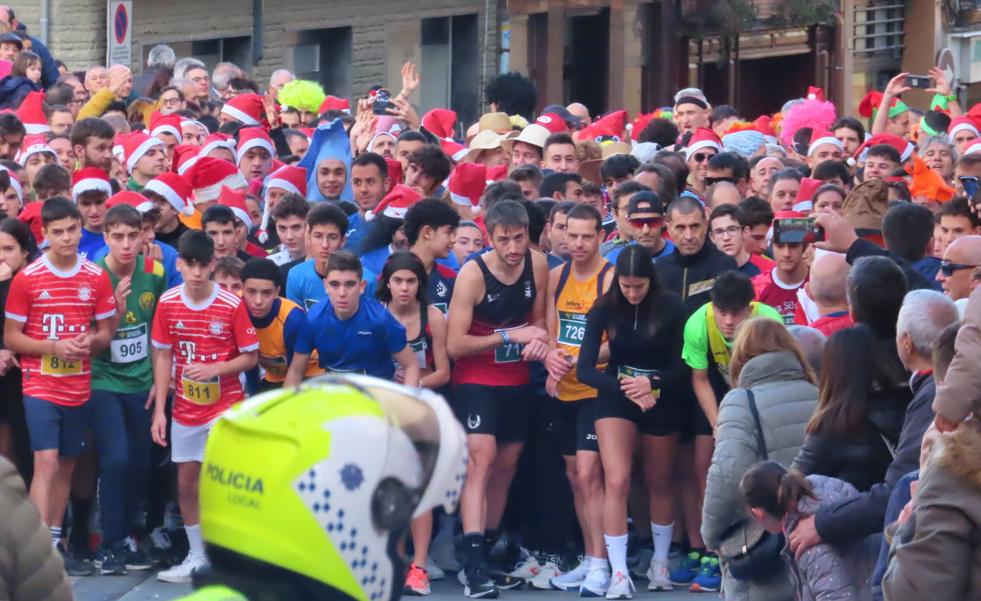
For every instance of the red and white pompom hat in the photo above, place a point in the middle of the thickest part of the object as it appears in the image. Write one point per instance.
(135, 146)
(34, 145)
(31, 114)
(467, 184)
(247, 109)
(253, 137)
(129, 197)
(174, 189)
(396, 203)
(166, 124)
(290, 178)
(90, 179)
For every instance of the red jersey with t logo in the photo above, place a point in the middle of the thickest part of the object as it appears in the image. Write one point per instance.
(772, 291)
(213, 331)
(58, 305)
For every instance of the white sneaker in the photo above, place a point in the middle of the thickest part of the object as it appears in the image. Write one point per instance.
(434, 571)
(526, 569)
(658, 576)
(596, 583)
(546, 572)
(182, 573)
(621, 587)
(572, 579)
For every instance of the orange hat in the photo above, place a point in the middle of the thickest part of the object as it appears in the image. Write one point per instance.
(927, 182)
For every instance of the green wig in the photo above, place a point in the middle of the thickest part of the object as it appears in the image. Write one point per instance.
(302, 95)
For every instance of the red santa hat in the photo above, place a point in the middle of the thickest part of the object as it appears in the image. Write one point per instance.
(974, 148)
(184, 158)
(90, 179)
(703, 138)
(174, 189)
(235, 200)
(805, 196)
(333, 103)
(440, 122)
(394, 173)
(31, 113)
(135, 146)
(247, 109)
(903, 147)
(117, 146)
(209, 175)
(607, 126)
(217, 140)
(34, 145)
(166, 124)
(553, 123)
(962, 123)
(497, 173)
(396, 203)
(467, 183)
(16, 185)
(820, 138)
(291, 178)
(254, 137)
(814, 93)
(453, 149)
(128, 197)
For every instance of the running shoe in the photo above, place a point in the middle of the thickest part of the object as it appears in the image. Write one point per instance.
(417, 581)
(658, 577)
(109, 563)
(573, 579)
(596, 583)
(688, 569)
(621, 587)
(182, 573)
(546, 571)
(479, 584)
(527, 567)
(709, 577)
(75, 566)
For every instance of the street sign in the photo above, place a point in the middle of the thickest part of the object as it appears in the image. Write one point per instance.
(945, 61)
(119, 33)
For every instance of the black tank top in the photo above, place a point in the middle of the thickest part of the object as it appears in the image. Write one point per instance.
(505, 306)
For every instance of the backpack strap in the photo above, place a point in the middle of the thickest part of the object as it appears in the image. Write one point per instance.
(563, 278)
(602, 276)
(760, 442)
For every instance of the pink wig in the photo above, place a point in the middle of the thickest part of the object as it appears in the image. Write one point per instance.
(813, 113)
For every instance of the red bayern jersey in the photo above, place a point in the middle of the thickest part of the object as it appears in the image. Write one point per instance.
(58, 305)
(772, 291)
(214, 331)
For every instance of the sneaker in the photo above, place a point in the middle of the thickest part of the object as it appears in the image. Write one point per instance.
(658, 577)
(110, 563)
(442, 551)
(642, 563)
(596, 583)
(417, 581)
(75, 566)
(621, 587)
(505, 582)
(433, 570)
(527, 567)
(161, 549)
(709, 577)
(688, 569)
(136, 560)
(573, 579)
(182, 572)
(479, 585)
(546, 571)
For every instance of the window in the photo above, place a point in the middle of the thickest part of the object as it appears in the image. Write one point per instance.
(451, 61)
(324, 56)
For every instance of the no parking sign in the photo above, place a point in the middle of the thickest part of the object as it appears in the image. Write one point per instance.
(119, 32)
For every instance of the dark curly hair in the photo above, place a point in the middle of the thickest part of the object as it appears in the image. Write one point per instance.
(513, 93)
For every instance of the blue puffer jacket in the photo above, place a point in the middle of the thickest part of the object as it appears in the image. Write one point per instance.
(14, 89)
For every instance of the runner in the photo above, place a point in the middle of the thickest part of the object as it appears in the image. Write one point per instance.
(290, 218)
(90, 191)
(430, 227)
(202, 340)
(728, 230)
(495, 326)
(324, 236)
(572, 290)
(778, 286)
(51, 308)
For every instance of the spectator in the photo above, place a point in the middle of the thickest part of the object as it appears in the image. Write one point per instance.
(956, 272)
(49, 69)
(812, 343)
(908, 231)
(159, 71)
(221, 79)
(827, 289)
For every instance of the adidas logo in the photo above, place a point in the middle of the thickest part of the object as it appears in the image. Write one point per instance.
(44, 295)
(180, 325)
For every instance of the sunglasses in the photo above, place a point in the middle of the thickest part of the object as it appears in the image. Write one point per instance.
(701, 157)
(947, 268)
(638, 223)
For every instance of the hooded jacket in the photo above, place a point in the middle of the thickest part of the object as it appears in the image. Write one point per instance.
(692, 276)
(936, 554)
(30, 569)
(785, 401)
(13, 90)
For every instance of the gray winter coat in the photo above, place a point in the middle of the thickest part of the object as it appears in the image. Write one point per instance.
(829, 572)
(785, 400)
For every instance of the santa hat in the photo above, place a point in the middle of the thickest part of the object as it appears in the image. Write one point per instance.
(903, 147)
(34, 145)
(117, 146)
(497, 173)
(253, 137)
(440, 122)
(128, 197)
(467, 183)
(394, 173)
(928, 183)
(607, 126)
(192, 123)
(396, 203)
(137, 145)
(333, 103)
(553, 123)
(703, 138)
(247, 109)
(289, 178)
(814, 93)
(174, 189)
(209, 175)
(640, 124)
(869, 105)
(31, 113)
(962, 123)
(166, 124)
(184, 158)
(974, 148)
(235, 200)
(820, 138)
(90, 179)
(217, 140)
(453, 149)
(805, 196)
(16, 185)
(329, 141)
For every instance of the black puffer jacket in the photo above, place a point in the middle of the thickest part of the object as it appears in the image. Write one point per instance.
(692, 276)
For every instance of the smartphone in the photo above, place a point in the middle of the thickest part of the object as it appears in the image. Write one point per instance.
(919, 81)
(382, 103)
(797, 231)
(970, 183)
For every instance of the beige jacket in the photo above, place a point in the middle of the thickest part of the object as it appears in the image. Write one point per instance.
(30, 569)
(960, 394)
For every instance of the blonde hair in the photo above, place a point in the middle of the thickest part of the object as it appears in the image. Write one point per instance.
(761, 335)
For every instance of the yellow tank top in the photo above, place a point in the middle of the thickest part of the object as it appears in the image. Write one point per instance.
(573, 300)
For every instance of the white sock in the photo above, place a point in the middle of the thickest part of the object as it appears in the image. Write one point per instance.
(616, 550)
(194, 540)
(662, 539)
(597, 563)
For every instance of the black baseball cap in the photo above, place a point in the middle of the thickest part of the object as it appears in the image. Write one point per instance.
(645, 202)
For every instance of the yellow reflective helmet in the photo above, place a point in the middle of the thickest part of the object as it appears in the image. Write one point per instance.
(305, 492)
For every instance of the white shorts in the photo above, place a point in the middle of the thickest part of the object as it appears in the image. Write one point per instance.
(187, 442)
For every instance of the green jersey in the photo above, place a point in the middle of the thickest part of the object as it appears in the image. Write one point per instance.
(125, 366)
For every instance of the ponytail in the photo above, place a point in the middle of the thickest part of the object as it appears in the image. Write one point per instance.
(770, 487)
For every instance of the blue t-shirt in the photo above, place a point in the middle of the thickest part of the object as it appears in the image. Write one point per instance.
(305, 287)
(364, 343)
(374, 261)
(357, 231)
(92, 245)
(612, 255)
(440, 284)
(168, 259)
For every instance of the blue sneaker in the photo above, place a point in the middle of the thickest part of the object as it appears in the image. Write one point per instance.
(709, 577)
(686, 572)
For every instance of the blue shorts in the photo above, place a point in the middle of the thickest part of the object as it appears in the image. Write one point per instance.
(53, 426)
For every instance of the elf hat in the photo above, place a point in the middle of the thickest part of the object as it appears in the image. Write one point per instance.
(128, 197)
(90, 179)
(137, 145)
(247, 109)
(253, 137)
(31, 113)
(396, 203)
(467, 183)
(174, 189)
(869, 105)
(166, 124)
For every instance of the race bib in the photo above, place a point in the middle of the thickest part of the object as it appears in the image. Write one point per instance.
(51, 365)
(625, 371)
(508, 353)
(419, 347)
(572, 328)
(201, 392)
(129, 345)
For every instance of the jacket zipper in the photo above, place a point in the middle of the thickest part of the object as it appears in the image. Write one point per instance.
(684, 284)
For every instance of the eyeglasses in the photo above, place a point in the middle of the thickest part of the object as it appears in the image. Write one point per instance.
(947, 268)
(170, 101)
(638, 223)
(701, 157)
(728, 232)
